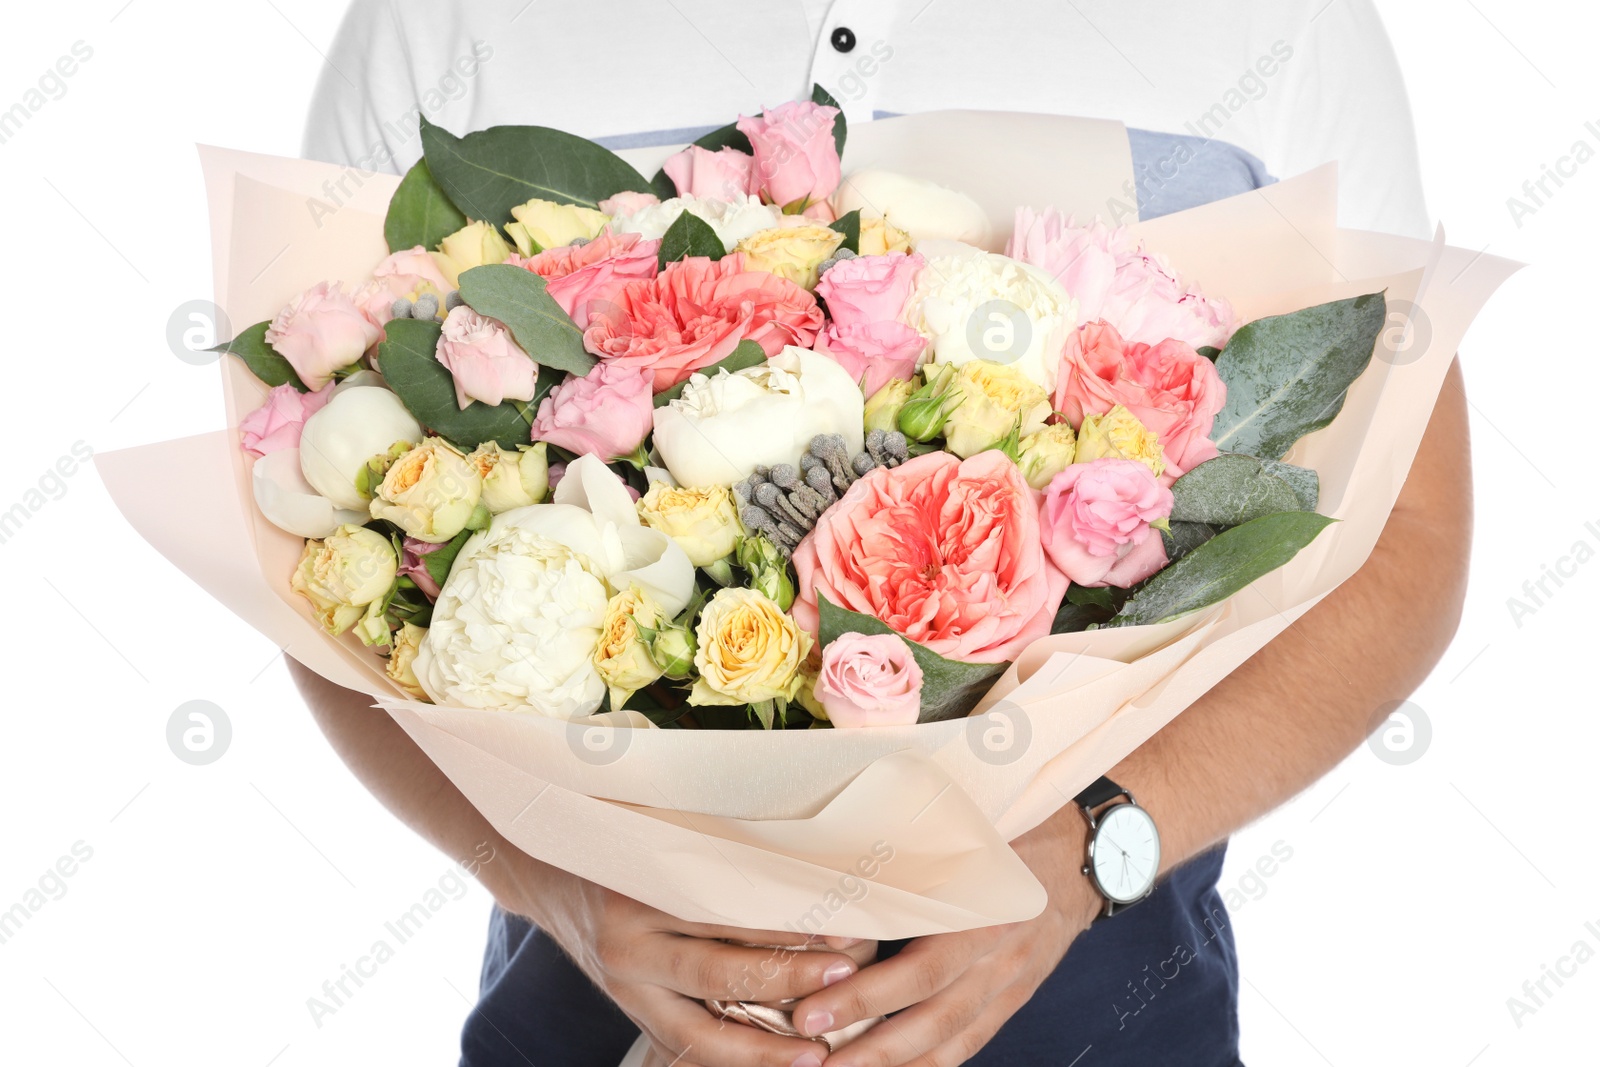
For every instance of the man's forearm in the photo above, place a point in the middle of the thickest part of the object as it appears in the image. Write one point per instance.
(1306, 700)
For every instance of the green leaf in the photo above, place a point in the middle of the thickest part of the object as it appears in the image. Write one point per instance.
(488, 173)
(950, 689)
(1091, 596)
(1221, 567)
(819, 95)
(419, 212)
(518, 298)
(849, 224)
(262, 359)
(689, 235)
(1235, 488)
(1209, 352)
(745, 354)
(410, 366)
(1074, 618)
(1305, 482)
(1181, 538)
(438, 562)
(728, 136)
(1287, 375)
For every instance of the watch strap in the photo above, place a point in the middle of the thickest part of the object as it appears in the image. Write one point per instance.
(1099, 792)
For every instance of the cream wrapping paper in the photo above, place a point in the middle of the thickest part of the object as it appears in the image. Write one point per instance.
(773, 830)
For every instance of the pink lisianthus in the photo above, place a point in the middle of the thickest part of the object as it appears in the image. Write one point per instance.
(627, 202)
(726, 174)
(1171, 388)
(405, 273)
(276, 424)
(874, 353)
(413, 555)
(1113, 278)
(606, 413)
(582, 278)
(870, 288)
(321, 331)
(485, 362)
(869, 680)
(695, 313)
(1095, 521)
(944, 551)
(796, 159)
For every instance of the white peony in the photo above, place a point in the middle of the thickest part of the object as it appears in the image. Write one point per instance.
(732, 221)
(289, 502)
(354, 426)
(974, 304)
(722, 428)
(925, 210)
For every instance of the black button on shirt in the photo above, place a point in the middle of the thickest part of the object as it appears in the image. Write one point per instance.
(843, 39)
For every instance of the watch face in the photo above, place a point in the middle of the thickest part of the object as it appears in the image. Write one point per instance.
(1127, 853)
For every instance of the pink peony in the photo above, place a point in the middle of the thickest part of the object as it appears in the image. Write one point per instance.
(870, 288)
(944, 551)
(320, 332)
(695, 313)
(412, 565)
(582, 278)
(874, 353)
(276, 424)
(485, 362)
(727, 174)
(796, 160)
(1095, 519)
(869, 680)
(1113, 278)
(1171, 388)
(607, 412)
(401, 274)
(627, 202)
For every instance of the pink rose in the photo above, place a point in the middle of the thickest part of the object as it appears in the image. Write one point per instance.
(869, 680)
(320, 332)
(1171, 388)
(627, 202)
(583, 277)
(874, 353)
(485, 362)
(870, 288)
(796, 160)
(607, 413)
(276, 424)
(401, 274)
(695, 313)
(1096, 518)
(727, 174)
(412, 565)
(1113, 278)
(944, 551)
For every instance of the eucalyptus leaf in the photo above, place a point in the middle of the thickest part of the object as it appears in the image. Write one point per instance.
(819, 95)
(1209, 352)
(950, 689)
(519, 298)
(1305, 482)
(409, 365)
(419, 212)
(1287, 375)
(438, 562)
(1235, 488)
(689, 235)
(745, 354)
(1221, 567)
(849, 224)
(486, 174)
(1180, 538)
(1075, 618)
(1093, 596)
(261, 358)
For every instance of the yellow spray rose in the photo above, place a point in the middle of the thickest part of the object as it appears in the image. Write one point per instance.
(1046, 453)
(474, 245)
(704, 522)
(879, 236)
(353, 568)
(430, 492)
(1120, 435)
(401, 657)
(545, 224)
(791, 252)
(622, 658)
(511, 479)
(750, 651)
(995, 400)
(884, 407)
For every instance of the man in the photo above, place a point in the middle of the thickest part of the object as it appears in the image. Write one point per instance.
(1218, 96)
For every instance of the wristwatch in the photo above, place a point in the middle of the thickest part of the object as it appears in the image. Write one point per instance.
(1124, 850)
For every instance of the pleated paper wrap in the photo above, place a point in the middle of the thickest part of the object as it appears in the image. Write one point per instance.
(773, 830)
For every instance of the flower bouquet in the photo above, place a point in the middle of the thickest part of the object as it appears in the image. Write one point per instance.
(803, 522)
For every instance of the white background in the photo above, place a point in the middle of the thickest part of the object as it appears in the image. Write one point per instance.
(1418, 897)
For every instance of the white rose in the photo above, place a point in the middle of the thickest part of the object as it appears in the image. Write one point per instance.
(288, 501)
(354, 426)
(515, 626)
(732, 221)
(722, 428)
(974, 304)
(925, 210)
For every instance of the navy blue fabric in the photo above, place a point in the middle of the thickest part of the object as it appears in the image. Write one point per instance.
(1157, 984)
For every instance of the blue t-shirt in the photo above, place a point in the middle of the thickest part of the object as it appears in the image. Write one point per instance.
(1157, 984)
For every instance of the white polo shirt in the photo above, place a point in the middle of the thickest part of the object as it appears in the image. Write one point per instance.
(1295, 83)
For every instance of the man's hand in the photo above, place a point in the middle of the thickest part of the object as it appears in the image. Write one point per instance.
(957, 990)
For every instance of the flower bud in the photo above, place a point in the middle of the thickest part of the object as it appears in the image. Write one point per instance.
(402, 656)
(431, 492)
(1118, 434)
(341, 576)
(673, 649)
(511, 479)
(339, 441)
(924, 415)
(884, 407)
(1045, 453)
(768, 570)
(474, 245)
